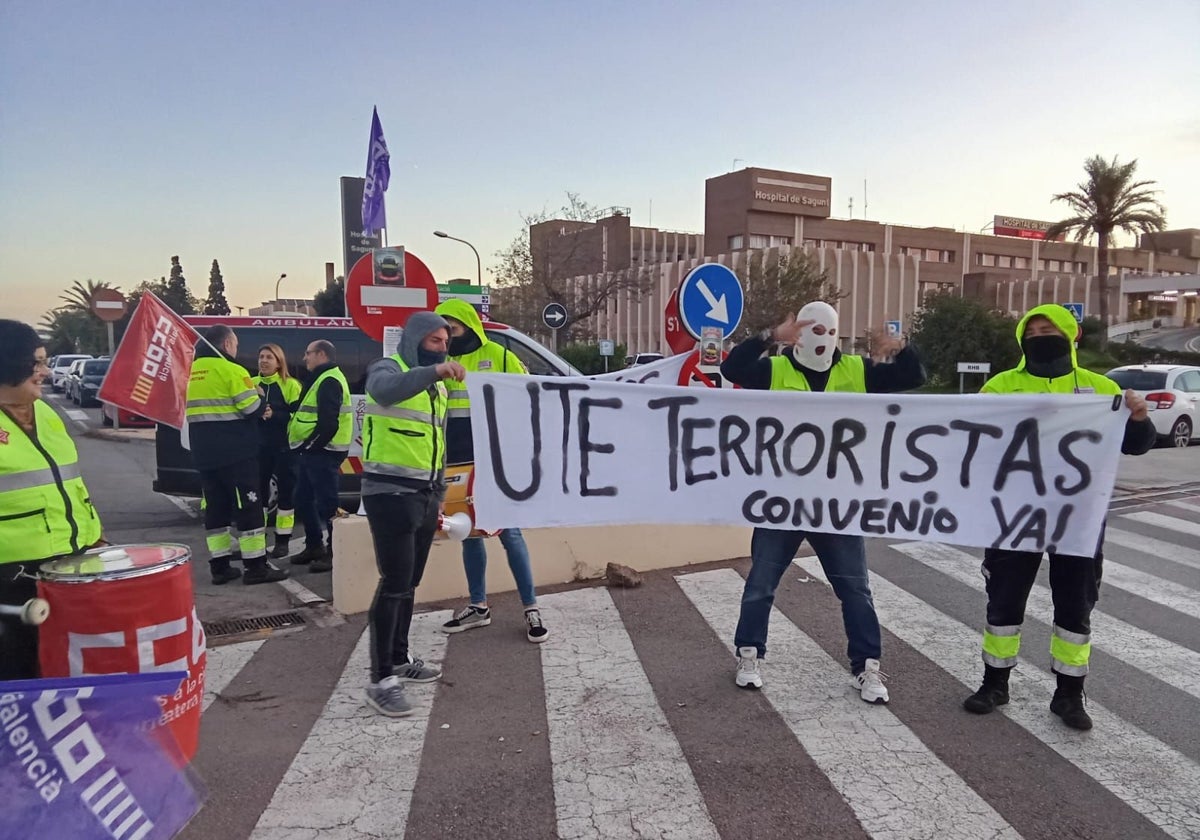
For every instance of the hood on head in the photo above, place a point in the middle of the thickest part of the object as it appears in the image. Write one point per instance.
(416, 329)
(1058, 315)
(462, 311)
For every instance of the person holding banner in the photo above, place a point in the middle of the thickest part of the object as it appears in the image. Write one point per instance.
(404, 458)
(812, 362)
(223, 414)
(319, 434)
(281, 393)
(45, 508)
(1049, 366)
(470, 347)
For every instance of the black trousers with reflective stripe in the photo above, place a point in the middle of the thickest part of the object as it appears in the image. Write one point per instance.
(1074, 587)
(231, 497)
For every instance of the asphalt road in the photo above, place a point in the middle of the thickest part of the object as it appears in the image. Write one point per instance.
(1187, 338)
(626, 722)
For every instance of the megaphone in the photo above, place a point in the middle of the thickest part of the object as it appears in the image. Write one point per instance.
(457, 526)
(35, 610)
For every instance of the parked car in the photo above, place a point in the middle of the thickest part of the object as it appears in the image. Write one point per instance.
(175, 473)
(71, 380)
(60, 367)
(643, 359)
(91, 375)
(1173, 395)
(128, 420)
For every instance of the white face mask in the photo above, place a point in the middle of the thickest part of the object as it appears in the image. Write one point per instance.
(814, 348)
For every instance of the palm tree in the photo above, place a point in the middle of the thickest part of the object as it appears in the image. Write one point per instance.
(1107, 201)
(79, 297)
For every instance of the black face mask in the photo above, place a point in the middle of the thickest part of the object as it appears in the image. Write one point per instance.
(1047, 355)
(427, 358)
(461, 345)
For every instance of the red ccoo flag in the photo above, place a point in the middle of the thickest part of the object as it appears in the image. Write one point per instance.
(149, 373)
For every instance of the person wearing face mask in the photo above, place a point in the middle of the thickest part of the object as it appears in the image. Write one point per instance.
(813, 362)
(319, 434)
(404, 457)
(281, 392)
(470, 347)
(1049, 366)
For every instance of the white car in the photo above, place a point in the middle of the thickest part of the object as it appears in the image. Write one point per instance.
(1173, 394)
(62, 366)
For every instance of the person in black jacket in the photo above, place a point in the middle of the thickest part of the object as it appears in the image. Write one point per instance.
(314, 436)
(281, 392)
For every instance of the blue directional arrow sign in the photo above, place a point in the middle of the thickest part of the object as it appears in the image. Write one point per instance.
(710, 296)
(554, 315)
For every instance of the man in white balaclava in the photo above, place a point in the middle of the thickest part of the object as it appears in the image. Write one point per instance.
(816, 364)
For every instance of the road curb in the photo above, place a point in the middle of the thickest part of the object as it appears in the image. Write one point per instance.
(117, 436)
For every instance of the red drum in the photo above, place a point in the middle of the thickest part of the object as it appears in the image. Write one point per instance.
(128, 609)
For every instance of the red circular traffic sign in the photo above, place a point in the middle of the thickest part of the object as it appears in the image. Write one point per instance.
(108, 304)
(374, 303)
(693, 371)
(677, 337)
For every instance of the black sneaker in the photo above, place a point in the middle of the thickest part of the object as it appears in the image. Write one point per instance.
(1068, 705)
(323, 564)
(308, 555)
(468, 618)
(263, 574)
(535, 631)
(986, 699)
(220, 577)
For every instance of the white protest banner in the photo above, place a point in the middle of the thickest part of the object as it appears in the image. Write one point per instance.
(663, 372)
(1030, 472)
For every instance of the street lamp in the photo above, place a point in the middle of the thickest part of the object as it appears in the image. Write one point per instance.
(478, 264)
(277, 282)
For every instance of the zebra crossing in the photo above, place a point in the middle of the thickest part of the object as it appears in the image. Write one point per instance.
(626, 723)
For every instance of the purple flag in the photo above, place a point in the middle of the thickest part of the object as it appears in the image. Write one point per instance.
(81, 758)
(379, 172)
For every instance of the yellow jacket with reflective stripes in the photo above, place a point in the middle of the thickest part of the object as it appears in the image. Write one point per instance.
(45, 509)
(304, 420)
(220, 390)
(408, 439)
(847, 375)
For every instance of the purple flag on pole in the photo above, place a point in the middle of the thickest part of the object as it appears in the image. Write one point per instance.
(379, 172)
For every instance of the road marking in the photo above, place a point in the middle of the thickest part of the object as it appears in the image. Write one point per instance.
(301, 592)
(76, 415)
(615, 759)
(182, 505)
(1167, 593)
(906, 786)
(353, 777)
(223, 664)
(1151, 547)
(1134, 646)
(1150, 777)
(1185, 506)
(1171, 523)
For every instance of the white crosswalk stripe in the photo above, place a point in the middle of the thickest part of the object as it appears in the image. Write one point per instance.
(1145, 773)
(615, 759)
(1188, 506)
(1134, 646)
(1160, 520)
(353, 779)
(1151, 547)
(891, 780)
(1182, 599)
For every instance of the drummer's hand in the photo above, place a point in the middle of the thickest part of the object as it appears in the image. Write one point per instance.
(451, 369)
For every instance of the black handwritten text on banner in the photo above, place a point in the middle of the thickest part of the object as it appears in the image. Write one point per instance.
(1030, 472)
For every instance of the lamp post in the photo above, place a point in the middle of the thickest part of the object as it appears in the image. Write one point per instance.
(478, 264)
(277, 282)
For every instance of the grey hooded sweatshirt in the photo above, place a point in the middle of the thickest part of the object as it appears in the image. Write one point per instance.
(387, 384)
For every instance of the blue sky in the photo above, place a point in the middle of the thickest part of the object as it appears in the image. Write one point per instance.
(133, 131)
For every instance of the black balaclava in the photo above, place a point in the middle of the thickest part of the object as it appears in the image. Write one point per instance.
(468, 342)
(427, 358)
(1048, 356)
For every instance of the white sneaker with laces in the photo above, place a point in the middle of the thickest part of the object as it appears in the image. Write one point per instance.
(747, 669)
(870, 683)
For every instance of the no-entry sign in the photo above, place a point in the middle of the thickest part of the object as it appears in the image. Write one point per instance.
(108, 304)
(374, 302)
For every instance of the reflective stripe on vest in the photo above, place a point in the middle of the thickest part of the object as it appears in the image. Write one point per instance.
(407, 439)
(45, 510)
(490, 357)
(847, 376)
(219, 390)
(304, 420)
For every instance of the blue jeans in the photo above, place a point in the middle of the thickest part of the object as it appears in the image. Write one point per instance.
(475, 562)
(844, 559)
(317, 494)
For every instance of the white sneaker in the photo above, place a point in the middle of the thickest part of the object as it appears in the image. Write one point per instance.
(747, 669)
(870, 683)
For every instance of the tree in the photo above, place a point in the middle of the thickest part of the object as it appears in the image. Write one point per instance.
(216, 303)
(79, 297)
(74, 331)
(587, 359)
(331, 301)
(778, 287)
(1107, 201)
(529, 287)
(175, 292)
(949, 329)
